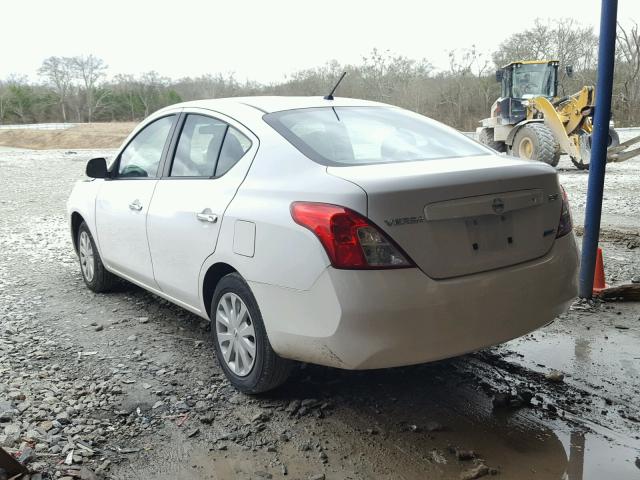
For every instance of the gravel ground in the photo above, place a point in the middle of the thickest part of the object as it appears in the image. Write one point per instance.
(621, 201)
(125, 385)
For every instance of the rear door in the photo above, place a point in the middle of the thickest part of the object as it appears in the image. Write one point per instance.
(123, 201)
(210, 159)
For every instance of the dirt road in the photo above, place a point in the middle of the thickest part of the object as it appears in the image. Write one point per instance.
(125, 385)
(65, 136)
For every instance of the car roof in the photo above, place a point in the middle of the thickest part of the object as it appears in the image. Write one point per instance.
(268, 104)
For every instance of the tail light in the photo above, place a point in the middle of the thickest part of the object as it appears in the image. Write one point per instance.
(350, 240)
(566, 224)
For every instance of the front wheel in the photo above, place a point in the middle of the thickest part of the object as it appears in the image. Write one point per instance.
(535, 141)
(95, 276)
(240, 339)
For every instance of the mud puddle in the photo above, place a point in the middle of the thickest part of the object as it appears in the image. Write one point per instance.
(592, 457)
(597, 349)
(423, 421)
(606, 362)
(409, 423)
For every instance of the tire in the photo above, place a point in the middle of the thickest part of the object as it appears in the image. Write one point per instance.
(486, 138)
(265, 370)
(535, 141)
(95, 276)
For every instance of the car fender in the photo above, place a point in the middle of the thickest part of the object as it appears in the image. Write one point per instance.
(82, 201)
(518, 126)
(275, 250)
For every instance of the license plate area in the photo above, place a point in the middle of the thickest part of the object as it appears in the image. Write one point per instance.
(490, 233)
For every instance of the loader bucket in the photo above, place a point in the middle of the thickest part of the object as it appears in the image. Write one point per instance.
(619, 152)
(584, 139)
(616, 151)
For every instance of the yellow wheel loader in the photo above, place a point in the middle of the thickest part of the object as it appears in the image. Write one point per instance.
(530, 120)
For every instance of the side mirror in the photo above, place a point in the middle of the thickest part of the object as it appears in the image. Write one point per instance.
(499, 75)
(97, 168)
(569, 70)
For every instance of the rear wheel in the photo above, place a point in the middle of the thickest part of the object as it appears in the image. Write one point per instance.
(535, 141)
(486, 138)
(240, 339)
(95, 276)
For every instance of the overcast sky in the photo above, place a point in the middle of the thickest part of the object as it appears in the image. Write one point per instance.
(264, 40)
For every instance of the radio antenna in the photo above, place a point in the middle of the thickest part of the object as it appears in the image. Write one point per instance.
(330, 96)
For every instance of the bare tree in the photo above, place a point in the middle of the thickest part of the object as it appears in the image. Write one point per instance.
(384, 74)
(466, 91)
(149, 89)
(58, 71)
(20, 98)
(4, 93)
(125, 87)
(460, 95)
(628, 71)
(560, 39)
(90, 70)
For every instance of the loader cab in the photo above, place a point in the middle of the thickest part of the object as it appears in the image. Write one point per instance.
(524, 80)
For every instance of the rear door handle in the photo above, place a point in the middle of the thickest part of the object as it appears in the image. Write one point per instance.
(135, 205)
(207, 216)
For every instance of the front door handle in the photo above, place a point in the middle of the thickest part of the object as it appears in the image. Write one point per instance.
(207, 215)
(135, 205)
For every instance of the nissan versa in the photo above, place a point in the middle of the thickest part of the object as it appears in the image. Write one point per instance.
(339, 232)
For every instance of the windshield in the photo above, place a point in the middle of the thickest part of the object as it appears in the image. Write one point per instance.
(366, 135)
(537, 79)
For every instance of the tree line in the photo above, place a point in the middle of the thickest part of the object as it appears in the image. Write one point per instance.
(76, 89)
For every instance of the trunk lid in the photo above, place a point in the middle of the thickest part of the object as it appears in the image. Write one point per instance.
(460, 216)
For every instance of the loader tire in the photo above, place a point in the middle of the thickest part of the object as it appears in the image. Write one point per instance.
(486, 138)
(536, 142)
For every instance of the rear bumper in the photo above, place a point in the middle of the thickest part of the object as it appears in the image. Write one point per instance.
(379, 319)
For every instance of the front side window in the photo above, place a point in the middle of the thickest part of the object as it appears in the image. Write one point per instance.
(368, 135)
(142, 155)
(532, 80)
(198, 147)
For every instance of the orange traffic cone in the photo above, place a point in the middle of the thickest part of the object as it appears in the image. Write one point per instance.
(598, 276)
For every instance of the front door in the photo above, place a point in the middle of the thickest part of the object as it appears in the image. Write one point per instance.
(211, 159)
(123, 202)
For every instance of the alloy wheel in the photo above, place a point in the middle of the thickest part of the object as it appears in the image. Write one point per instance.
(86, 256)
(235, 334)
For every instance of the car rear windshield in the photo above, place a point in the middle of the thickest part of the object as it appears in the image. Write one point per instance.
(368, 135)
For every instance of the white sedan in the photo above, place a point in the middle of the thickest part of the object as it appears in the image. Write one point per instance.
(339, 232)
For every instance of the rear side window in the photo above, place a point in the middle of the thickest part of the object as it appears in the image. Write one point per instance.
(368, 135)
(142, 155)
(233, 149)
(198, 147)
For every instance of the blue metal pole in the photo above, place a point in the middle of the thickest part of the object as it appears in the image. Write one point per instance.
(604, 87)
